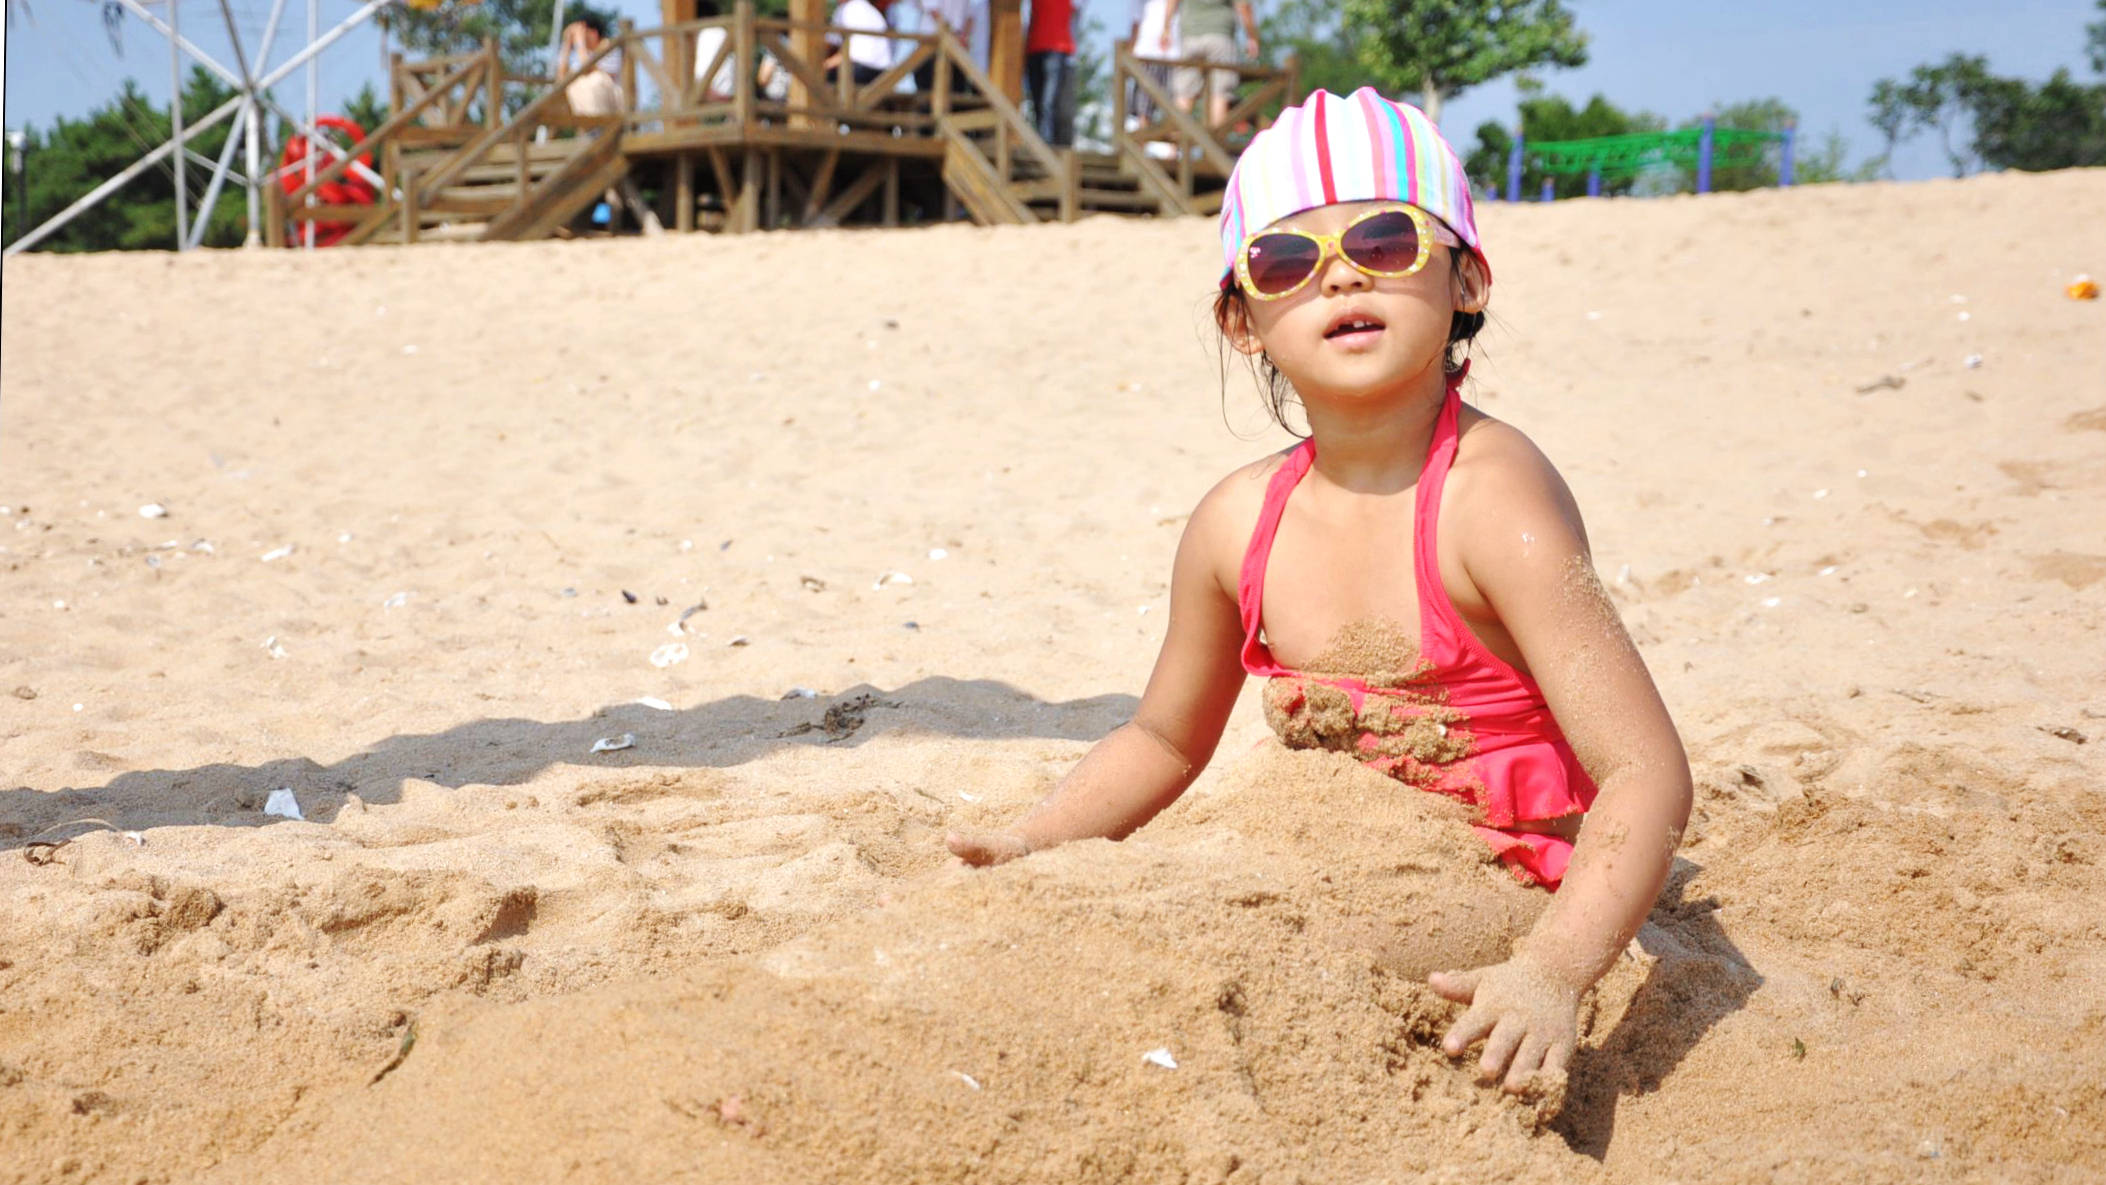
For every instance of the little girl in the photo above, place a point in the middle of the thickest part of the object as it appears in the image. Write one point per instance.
(1413, 580)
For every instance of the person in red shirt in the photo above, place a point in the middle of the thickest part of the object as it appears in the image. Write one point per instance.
(1049, 69)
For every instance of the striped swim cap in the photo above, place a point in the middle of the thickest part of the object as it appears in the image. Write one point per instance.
(1359, 148)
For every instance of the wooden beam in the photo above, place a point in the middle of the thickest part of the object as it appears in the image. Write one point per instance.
(1005, 47)
(808, 45)
(822, 185)
(859, 191)
(746, 215)
(683, 190)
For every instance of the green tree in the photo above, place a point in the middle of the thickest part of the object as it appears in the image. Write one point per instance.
(1441, 48)
(1987, 121)
(76, 155)
(1311, 32)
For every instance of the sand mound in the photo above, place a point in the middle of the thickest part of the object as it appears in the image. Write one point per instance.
(1853, 533)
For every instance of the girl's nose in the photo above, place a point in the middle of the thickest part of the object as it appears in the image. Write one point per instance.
(1341, 277)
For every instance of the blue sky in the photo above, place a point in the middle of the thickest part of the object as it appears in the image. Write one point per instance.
(1674, 57)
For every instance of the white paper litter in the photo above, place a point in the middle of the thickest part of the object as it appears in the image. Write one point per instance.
(937, 553)
(1160, 1057)
(282, 804)
(966, 1078)
(614, 744)
(153, 510)
(652, 701)
(669, 654)
(271, 647)
(1972, 361)
(277, 553)
(885, 578)
(800, 693)
(396, 602)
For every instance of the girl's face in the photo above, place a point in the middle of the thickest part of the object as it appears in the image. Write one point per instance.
(1347, 335)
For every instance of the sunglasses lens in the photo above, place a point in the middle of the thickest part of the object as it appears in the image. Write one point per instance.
(1278, 262)
(1388, 242)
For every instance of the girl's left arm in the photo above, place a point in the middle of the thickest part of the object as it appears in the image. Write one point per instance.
(1525, 548)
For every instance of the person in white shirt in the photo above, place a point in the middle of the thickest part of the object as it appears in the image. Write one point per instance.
(1152, 37)
(868, 56)
(707, 44)
(592, 92)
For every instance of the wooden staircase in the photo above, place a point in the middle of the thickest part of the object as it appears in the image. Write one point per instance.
(519, 190)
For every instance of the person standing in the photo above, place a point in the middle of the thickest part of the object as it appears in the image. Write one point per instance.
(1049, 69)
(1209, 31)
(869, 48)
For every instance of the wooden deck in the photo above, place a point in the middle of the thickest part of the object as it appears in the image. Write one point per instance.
(471, 151)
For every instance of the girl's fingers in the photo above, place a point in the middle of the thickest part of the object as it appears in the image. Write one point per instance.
(1459, 986)
(1526, 1063)
(1558, 1059)
(1499, 1049)
(1474, 1024)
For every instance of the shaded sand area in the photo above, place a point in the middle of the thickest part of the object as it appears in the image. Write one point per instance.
(430, 514)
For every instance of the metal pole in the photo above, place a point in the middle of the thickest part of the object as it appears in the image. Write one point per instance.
(1550, 192)
(175, 119)
(1784, 165)
(105, 189)
(251, 134)
(1513, 167)
(199, 224)
(314, 26)
(1594, 181)
(1703, 156)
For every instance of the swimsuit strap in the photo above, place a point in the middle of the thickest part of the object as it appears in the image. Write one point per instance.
(1250, 583)
(1439, 624)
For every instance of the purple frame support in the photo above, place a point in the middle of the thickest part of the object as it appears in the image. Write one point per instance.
(1784, 164)
(1594, 181)
(1513, 167)
(1703, 158)
(1550, 190)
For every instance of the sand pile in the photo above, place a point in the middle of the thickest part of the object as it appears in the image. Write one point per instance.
(431, 513)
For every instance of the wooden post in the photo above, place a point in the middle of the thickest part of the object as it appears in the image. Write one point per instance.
(629, 51)
(395, 98)
(679, 48)
(1294, 80)
(1005, 47)
(808, 42)
(891, 191)
(410, 215)
(493, 85)
(746, 218)
(274, 214)
(743, 64)
(684, 192)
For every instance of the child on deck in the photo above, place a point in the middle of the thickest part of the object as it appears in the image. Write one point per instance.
(1413, 579)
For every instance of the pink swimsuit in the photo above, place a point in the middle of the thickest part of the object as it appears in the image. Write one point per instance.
(1497, 746)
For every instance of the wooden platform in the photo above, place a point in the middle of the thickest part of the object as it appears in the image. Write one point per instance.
(471, 151)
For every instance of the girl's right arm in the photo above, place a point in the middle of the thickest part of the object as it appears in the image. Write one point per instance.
(1145, 764)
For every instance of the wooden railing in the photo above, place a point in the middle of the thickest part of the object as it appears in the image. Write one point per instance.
(1191, 147)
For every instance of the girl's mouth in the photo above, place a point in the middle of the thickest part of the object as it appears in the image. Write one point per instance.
(1354, 329)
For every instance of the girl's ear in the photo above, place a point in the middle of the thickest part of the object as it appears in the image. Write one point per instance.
(1473, 288)
(1233, 314)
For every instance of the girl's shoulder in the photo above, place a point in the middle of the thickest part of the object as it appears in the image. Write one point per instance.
(1222, 522)
(1501, 487)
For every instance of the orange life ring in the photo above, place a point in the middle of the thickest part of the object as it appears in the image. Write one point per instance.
(349, 190)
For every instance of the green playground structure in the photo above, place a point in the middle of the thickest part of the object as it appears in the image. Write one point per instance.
(1706, 146)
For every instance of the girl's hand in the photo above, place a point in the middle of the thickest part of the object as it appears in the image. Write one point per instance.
(982, 849)
(1527, 1017)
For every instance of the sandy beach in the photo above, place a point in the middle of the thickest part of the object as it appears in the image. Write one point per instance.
(840, 539)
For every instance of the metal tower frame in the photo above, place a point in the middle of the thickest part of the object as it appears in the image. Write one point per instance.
(253, 80)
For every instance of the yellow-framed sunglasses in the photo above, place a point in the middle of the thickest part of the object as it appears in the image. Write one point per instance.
(1389, 241)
